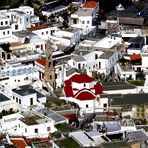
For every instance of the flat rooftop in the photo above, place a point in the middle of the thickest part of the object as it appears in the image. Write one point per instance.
(4, 27)
(27, 90)
(107, 42)
(136, 40)
(32, 118)
(127, 99)
(52, 115)
(24, 33)
(78, 58)
(107, 54)
(82, 12)
(110, 86)
(3, 98)
(19, 12)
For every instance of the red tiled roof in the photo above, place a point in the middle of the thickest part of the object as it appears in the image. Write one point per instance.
(31, 140)
(85, 94)
(70, 116)
(90, 4)
(81, 78)
(42, 62)
(135, 57)
(98, 89)
(82, 94)
(19, 142)
(38, 27)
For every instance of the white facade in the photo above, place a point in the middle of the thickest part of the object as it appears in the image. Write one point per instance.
(4, 20)
(23, 124)
(28, 96)
(6, 34)
(124, 74)
(44, 31)
(13, 77)
(66, 37)
(100, 61)
(83, 19)
(21, 20)
(77, 64)
(8, 104)
(28, 10)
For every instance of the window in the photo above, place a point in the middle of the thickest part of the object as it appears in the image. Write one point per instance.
(2, 23)
(16, 99)
(83, 22)
(96, 56)
(83, 66)
(13, 97)
(6, 22)
(31, 101)
(50, 77)
(27, 19)
(18, 80)
(48, 128)
(37, 46)
(42, 33)
(8, 32)
(19, 101)
(36, 130)
(41, 46)
(99, 64)
(105, 105)
(27, 78)
(46, 32)
(87, 22)
(84, 85)
(86, 105)
(8, 56)
(4, 33)
(55, 76)
(26, 130)
(79, 66)
(16, 27)
(74, 21)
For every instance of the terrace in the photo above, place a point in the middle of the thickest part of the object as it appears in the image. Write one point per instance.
(32, 118)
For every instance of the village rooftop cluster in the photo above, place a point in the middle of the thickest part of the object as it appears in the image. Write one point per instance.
(74, 79)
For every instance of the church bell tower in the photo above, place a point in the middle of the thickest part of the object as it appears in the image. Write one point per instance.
(50, 68)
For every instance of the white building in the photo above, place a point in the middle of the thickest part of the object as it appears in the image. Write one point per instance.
(84, 18)
(78, 62)
(55, 10)
(43, 31)
(6, 34)
(4, 20)
(101, 61)
(125, 72)
(20, 18)
(14, 76)
(135, 45)
(82, 90)
(30, 124)
(67, 37)
(6, 103)
(26, 96)
(31, 41)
